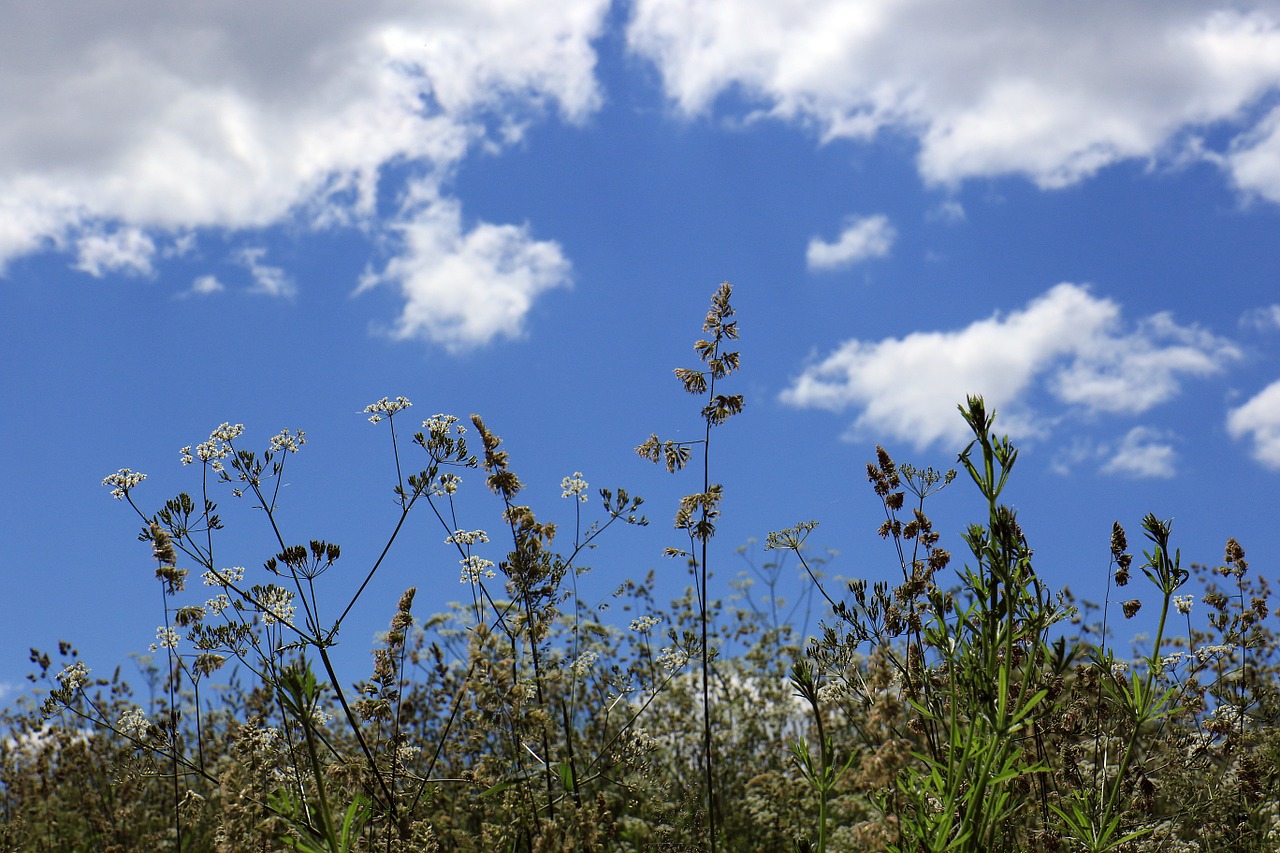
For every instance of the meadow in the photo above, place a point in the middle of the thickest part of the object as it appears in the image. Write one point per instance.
(967, 706)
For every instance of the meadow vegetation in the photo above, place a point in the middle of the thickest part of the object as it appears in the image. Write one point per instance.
(965, 706)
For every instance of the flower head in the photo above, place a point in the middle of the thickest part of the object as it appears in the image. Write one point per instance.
(574, 487)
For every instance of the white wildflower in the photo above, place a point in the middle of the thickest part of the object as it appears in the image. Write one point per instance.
(122, 481)
(446, 484)
(133, 723)
(644, 624)
(277, 605)
(474, 568)
(74, 676)
(223, 577)
(386, 407)
(672, 659)
(466, 537)
(1183, 602)
(582, 665)
(574, 487)
(166, 638)
(283, 441)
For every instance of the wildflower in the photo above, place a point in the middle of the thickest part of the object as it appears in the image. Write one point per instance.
(465, 537)
(277, 605)
(474, 568)
(439, 424)
(1130, 607)
(185, 455)
(582, 665)
(1119, 668)
(574, 487)
(385, 407)
(644, 623)
(122, 481)
(1183, 603)
(218, 604)
(283, 441)
(446, 484)
(672, 659)
(166, 638)
(133, 723)
(223, 577)
(319, 717)
(74, 676)
(227, 432)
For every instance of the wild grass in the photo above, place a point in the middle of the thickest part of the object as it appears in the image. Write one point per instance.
(970, 709)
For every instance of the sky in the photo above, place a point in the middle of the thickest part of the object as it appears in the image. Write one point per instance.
(254, 213)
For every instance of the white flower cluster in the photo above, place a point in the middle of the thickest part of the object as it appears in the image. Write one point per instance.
(222, 577)
(466, 537)
(644, 624)
(122, 481)
(218, 604)
(474, 568)
(439, 424)
(1183, 602)
(446, 484)
(385, 408)
(217, 448)
(283, 441)
(74, 676)
(133, 723)
(583, 664)
(574, 487)
(166, 638)
(277, 604)
(673, 659)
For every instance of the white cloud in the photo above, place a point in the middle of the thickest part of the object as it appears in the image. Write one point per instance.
(1259, 420)
(1051, 91)
(206, 285)
(154, 117)
(1067, 344)
(869, 237)
(463, 288)
(1143, 452)
(269, 281)
(126, 250)
(1262, 319)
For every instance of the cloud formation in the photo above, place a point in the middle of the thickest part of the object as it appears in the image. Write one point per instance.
(464, 287)
(1066, 344)
(1054, 92)
(143, 121)
(1143, 452)
(1259, 421)
(869, 237)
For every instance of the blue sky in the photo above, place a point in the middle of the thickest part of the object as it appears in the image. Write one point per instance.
(220, 213)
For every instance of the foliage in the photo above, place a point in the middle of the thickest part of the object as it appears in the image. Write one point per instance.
(964, 710)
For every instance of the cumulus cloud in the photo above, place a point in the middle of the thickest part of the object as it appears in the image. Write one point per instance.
(126, 250)
(1054, 92)
(267, 280)
(1143, 452)
(158, 118)
(1262, 319)
(206, 285)
(869, 237)
(465, 287)
(1259, 421)
(1066, 344)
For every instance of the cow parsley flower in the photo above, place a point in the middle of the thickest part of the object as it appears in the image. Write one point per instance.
(574, 487)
